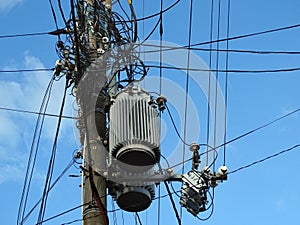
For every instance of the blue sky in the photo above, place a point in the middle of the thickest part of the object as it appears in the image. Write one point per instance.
(266, 193)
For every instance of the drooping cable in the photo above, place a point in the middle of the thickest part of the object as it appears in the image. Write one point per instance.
(33, 153)
(135, 27)
(175, 127)
(155, 14)
(122, 8)
(51, 161)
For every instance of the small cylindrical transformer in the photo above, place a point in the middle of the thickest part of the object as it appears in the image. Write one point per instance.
(134, 130)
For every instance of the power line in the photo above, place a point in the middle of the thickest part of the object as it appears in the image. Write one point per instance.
(168, 48)
(259, 128)
(63, 213)
(241, 136)
(51, 162)
(173, 203)
(226, 80)
(51, 187)
(264, 159)
(23, 35)
(54, 16)
(249, 51)
(56, 32)
(33, 154)
(155, 14)
(37, 113)
(139, 219)
(27, 70)
(227, 71)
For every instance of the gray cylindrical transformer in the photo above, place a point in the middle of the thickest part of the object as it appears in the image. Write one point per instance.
(134, 131)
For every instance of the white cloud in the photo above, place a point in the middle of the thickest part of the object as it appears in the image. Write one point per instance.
(16, 129)
(6, 5)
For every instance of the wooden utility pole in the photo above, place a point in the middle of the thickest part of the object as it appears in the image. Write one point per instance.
(93, 147)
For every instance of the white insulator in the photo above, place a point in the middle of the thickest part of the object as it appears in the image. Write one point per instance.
(134, 131)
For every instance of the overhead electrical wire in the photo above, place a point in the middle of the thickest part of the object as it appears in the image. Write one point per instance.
(51, 161)
(216, 83)
(139, 219)
(168, 48)
(264, 159)
(54, 16)
(62, 14)
(63, 213)
(24, 35)
(226, 71)
(187, 78)
(33, 153)
(259, 128)
(175, 127)
(51, 187)
(37, 113)
(209, 76)
(226, 81)
(155, 14)
(26, 70)
(242, 135)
